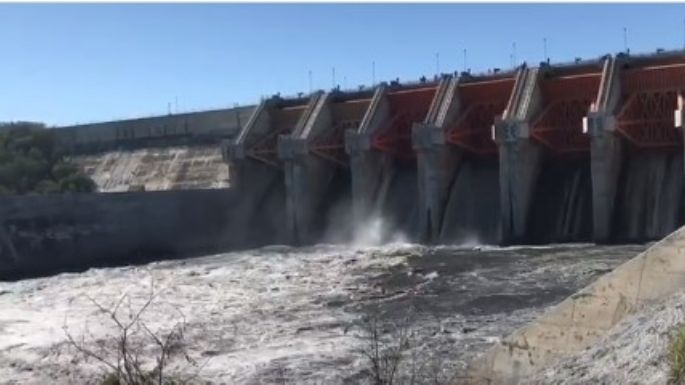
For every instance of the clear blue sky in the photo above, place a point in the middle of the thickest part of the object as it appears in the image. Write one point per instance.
(63, 64)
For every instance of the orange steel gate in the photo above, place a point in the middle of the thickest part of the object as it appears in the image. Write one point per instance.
(406, 107)
(264, 148)
(481, 102)
(567, 100)
(649, 99)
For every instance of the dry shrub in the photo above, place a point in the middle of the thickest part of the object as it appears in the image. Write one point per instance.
(136, 355)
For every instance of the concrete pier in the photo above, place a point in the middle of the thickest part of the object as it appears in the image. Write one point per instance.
(365, 164)
(317, 169)
(305, 175)
(382, 159)
(456, 155)
(437, 162)
(257, 170)
(545, 155)
(606, 151)
(634, 145)
(519, 158)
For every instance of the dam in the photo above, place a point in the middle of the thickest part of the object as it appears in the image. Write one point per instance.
(588, 151)
(576, 152)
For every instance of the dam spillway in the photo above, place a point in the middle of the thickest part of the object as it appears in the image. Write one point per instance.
(585, 151)
(582, 151)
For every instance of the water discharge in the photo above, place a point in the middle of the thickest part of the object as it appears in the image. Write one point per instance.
(290, 315)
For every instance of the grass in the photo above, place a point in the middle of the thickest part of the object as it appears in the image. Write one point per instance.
(676, 357)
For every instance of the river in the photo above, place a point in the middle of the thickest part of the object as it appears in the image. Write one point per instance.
(282, 315)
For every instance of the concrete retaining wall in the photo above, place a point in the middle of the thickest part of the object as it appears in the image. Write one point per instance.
(42, 234)
(580, 320)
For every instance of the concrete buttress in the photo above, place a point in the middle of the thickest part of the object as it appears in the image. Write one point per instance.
(366, 165)
(519, 158)
(605, 152)
(305, 175)
(437, 162)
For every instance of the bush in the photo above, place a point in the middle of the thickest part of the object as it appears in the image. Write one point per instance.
(135, 354)
(392, 355)
(676, 357)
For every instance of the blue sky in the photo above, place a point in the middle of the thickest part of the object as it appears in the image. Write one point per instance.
(63, 64)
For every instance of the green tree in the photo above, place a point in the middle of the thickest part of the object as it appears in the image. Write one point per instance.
(31, 163)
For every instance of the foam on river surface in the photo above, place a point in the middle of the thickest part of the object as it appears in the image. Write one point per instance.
(256, 316)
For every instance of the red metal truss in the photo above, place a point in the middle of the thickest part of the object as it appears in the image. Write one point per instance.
(265, 148)
(567, 101)
(406, 107)
(481, 103)
(394, 137)
(331, 146)
(646, 119)
(650, 97)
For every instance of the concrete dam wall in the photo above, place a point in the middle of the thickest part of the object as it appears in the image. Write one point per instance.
(142, 132)
(170, 152)
(43, 234)
(156, 168)
(587, 151)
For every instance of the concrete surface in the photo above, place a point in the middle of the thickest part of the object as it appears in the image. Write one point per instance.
(583, 318)
(519, 157)
(206, 125)
(45, 233)
(156, 168)
(436, 161)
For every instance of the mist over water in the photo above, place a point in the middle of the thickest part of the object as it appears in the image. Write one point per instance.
(396, 199)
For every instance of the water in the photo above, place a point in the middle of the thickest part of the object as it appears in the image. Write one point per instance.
(292, 315)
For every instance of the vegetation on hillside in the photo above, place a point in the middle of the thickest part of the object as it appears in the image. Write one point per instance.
(30, 163)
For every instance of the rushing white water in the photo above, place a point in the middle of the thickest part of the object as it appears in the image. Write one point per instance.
(290, 315)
